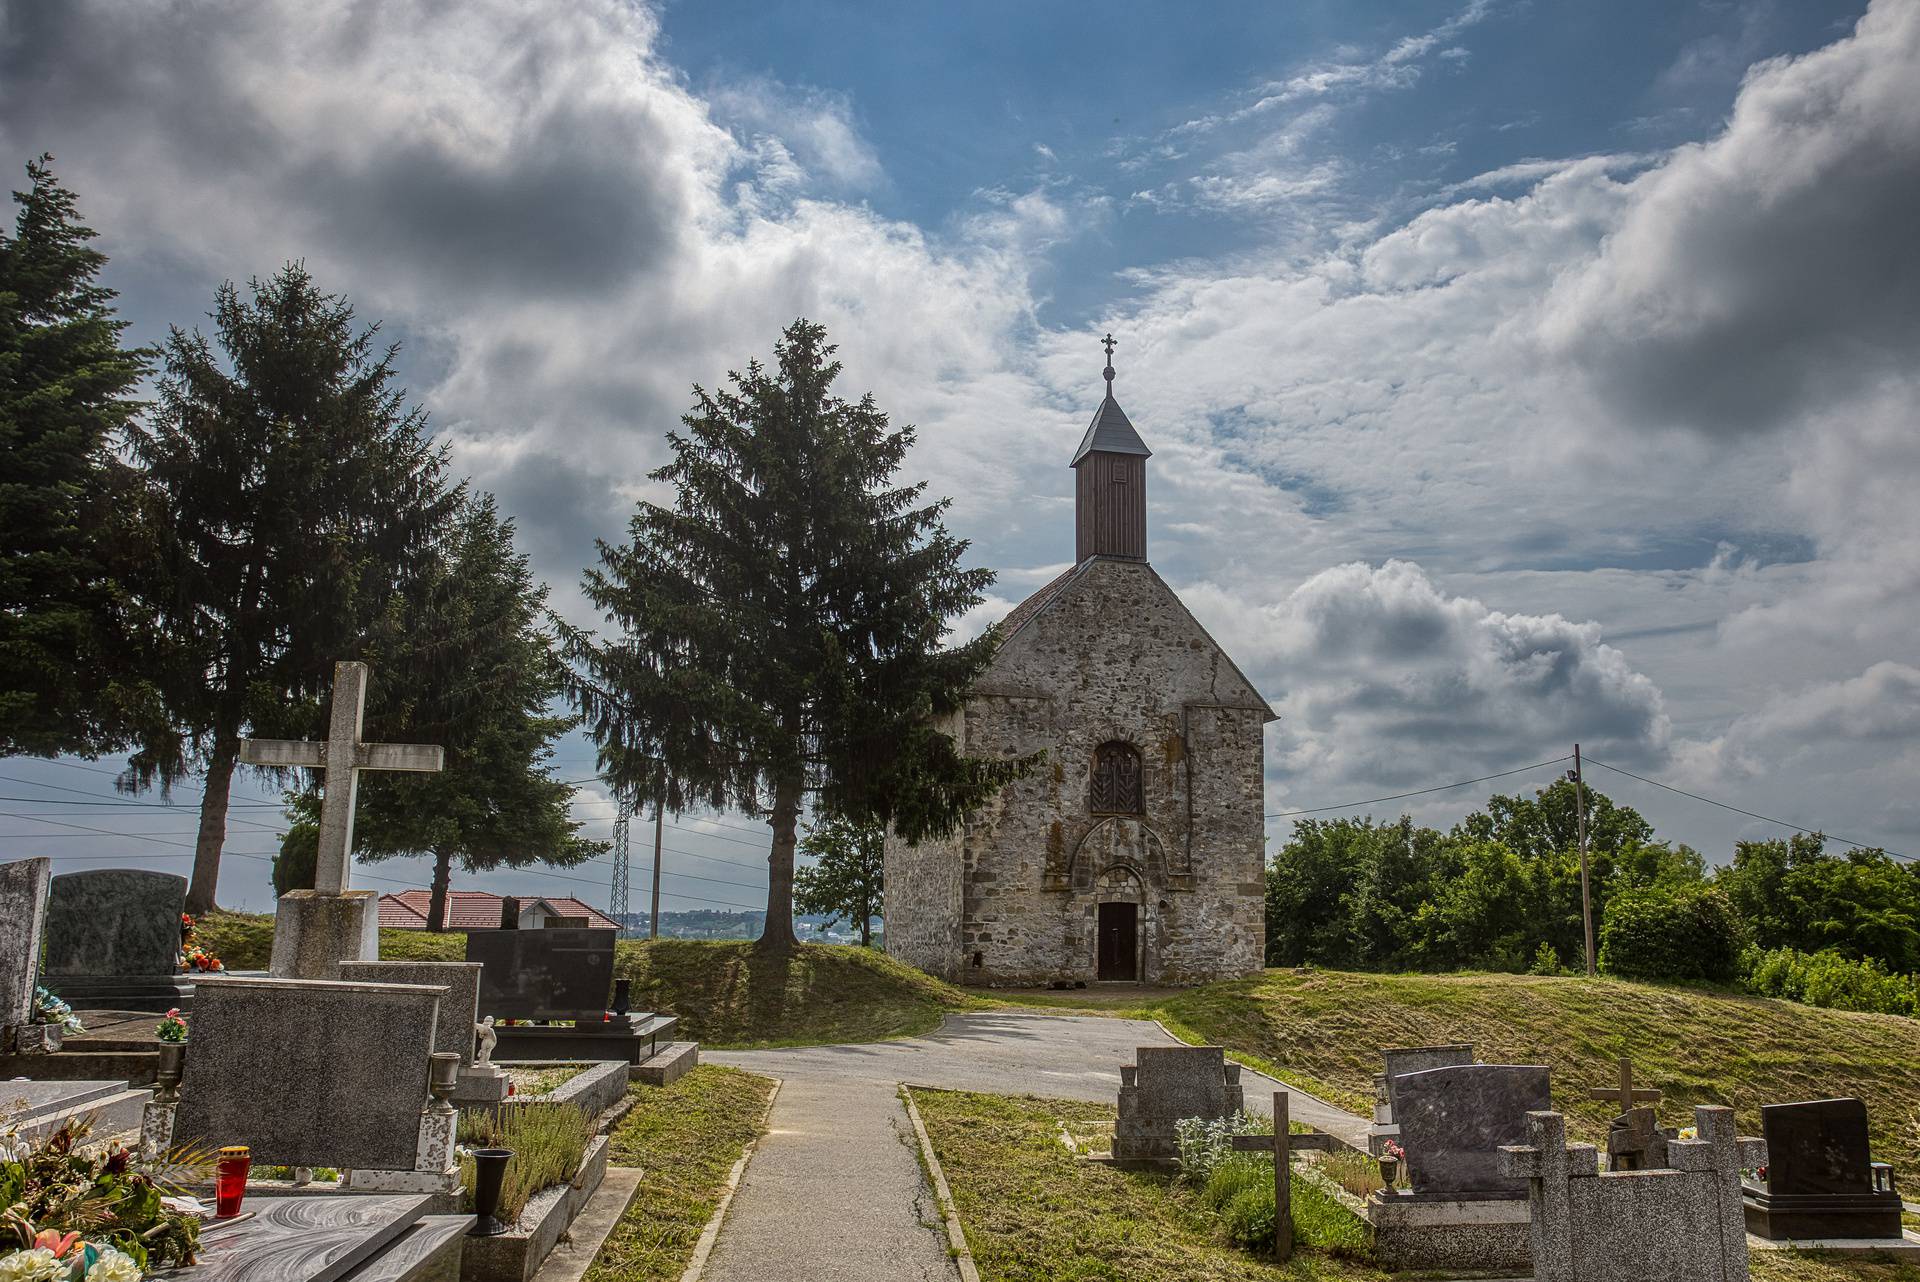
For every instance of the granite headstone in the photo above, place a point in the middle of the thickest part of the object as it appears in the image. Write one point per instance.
(23, 912)
(309, 1072)
(113, 939)
(1401, 1060)
(1164, 1085)
(1681, 1224)
(459, 1009)
(1820, 1176)
(1453, 1122)
(564, 973)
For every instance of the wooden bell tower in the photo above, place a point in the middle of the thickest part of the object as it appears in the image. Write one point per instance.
(1110, 482)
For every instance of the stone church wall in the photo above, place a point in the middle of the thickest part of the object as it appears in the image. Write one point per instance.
(1115, 656)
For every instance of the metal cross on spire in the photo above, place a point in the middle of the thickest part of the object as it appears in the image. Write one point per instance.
(1109, 344)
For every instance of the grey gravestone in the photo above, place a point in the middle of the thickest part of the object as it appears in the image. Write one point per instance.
(1401, 1060)
(1164, 1085)
(113, 938)
(1635, 1142)
(1820, 1176)
(1453, 1122)
(562, 973)
(23, 912)
(309, 1072)
(1677, 1225)
(459, 1010)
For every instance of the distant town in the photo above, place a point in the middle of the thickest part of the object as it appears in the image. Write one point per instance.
(707, 924)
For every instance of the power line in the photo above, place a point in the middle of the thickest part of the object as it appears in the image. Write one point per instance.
(1751, 814)
(1349, 805)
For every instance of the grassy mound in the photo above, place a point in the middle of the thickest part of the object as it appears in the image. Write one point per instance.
(728, 995)
(244, 941)
(1324, 1030)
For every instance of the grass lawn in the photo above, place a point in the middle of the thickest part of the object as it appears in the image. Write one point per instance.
(244, 941)
(1326, 1028)
(1033, 1212)
(686, 1137)
(729, 996)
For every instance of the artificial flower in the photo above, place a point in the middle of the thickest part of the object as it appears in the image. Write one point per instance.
(113, 1266)
(55, 1241)
(36, 1264)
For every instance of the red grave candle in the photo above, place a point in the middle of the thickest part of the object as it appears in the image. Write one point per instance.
(230, 1180)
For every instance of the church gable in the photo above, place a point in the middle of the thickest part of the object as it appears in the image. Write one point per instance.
(1114, 615)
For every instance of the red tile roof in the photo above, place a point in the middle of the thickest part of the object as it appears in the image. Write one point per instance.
(476, 909)
(1034, 604)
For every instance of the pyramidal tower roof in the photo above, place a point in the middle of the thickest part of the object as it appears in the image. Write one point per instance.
(1110, 432)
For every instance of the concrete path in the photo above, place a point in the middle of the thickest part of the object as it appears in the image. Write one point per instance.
(835, 1188)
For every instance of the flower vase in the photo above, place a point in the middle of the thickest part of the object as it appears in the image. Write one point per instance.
(1389, 1171)
(172, 1062)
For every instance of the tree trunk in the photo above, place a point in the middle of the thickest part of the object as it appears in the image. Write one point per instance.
(866, 930)
(777, 935)
(213, 823)
(437, 897)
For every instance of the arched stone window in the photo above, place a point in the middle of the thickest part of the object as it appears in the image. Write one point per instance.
(1116, 780)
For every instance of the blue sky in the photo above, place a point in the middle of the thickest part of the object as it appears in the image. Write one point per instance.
(1517, 373)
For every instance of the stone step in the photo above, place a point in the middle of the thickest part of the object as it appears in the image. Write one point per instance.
(116, 1114)
(29, 1100)
(667, 1065)
(133, 1068)
(427, 1252)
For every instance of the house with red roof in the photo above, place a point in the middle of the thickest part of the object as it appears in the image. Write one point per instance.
(482, 910)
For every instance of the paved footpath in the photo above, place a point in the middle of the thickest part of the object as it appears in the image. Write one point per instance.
(835, 1191)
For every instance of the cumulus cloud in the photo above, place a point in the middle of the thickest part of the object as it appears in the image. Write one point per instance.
(1773, 268)
(1378, 673)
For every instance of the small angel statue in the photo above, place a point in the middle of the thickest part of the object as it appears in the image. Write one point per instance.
(488, 1038)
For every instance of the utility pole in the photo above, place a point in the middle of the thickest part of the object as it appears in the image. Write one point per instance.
(659, 822)
(1580, 817)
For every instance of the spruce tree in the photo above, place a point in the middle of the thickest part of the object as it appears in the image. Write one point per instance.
(779, 631)
(69, 682)
(288, 494)
(469, 660)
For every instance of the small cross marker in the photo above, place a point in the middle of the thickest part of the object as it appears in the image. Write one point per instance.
(343, 756)
(1626, 1096)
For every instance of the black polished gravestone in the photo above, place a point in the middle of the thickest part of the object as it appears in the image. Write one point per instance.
(113, 940)
(1820, 1181)
(554, 984)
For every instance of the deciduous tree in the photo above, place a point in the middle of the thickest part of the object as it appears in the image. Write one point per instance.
(846, 878)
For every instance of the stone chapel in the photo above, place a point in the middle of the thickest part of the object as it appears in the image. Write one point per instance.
(1136, 851)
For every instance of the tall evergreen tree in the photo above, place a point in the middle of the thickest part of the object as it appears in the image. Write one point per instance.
(468, 660)
(289, 491)
(780, 628)
(847, 878)
(66, 682)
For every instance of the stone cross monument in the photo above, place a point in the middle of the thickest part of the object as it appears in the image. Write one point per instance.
(315, 930)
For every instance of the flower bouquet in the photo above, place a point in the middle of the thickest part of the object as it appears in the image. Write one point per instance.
(74, 1214)
(48, 1009)
(172, 1027)
(193, 956)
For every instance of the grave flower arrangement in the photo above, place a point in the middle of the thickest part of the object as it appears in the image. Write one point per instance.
(74, 1214)
(48, 1009)
(172, 1027)
(192, 955)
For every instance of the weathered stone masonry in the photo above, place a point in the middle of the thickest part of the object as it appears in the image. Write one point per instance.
(1104, 655)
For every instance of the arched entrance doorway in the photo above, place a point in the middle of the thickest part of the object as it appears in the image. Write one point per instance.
(1119, 925)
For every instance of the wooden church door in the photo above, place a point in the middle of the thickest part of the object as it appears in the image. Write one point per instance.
(1119, 941)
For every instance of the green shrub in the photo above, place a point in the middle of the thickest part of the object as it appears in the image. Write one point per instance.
(1829, 979)
(1205, 1144)
(1546, 960)
(1674, 932)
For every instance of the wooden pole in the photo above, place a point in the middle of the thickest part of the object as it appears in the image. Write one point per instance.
(653, 914)
(1580, 816)
(1282, 1180)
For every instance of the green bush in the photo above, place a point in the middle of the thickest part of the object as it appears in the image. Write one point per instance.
(1827, 978)
(1674, 932)
(1248, 1218)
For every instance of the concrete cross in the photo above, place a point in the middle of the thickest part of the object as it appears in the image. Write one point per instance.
(343, 757)
(1625, 1096)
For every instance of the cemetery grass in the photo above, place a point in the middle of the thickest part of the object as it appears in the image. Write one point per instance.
(686, 1137)
(1323, 1030)
(728, 996)
(244, 941)
(1034, 1212)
